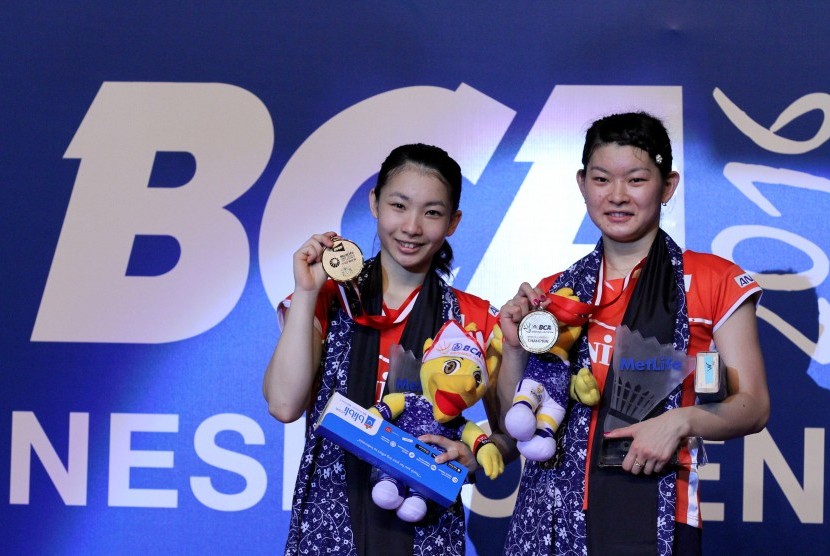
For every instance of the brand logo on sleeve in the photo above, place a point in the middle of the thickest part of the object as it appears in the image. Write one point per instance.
(744, 280)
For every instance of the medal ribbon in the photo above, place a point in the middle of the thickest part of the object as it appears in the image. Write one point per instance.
(388, 317)
(577, 313)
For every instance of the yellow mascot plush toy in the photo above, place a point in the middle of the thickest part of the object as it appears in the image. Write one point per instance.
(455, 372)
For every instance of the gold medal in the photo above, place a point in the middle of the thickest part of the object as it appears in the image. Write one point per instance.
(538, 331)
(343, 261)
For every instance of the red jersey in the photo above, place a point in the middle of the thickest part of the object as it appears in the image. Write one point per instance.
(473, 310)
(715, 288)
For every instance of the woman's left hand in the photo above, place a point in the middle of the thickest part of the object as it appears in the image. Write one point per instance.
(654, 442)
(455, 450)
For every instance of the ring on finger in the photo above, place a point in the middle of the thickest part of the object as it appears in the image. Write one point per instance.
(637, 463)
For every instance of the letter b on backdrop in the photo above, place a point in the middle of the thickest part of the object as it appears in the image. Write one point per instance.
(89, 297)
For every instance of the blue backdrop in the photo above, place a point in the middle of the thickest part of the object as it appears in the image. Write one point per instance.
(161, 161)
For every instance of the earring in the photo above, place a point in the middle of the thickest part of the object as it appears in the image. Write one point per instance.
(666, 204)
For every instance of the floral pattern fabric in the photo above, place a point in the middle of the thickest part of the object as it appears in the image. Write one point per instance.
(548, 517)
(320, 516)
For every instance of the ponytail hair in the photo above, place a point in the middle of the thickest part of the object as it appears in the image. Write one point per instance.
(442, 260)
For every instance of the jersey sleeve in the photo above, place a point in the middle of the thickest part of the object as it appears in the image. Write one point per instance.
(328, 293)
(727, 284)
(477, 310)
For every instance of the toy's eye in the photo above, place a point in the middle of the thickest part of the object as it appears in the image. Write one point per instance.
(451, 366)
(477, 376)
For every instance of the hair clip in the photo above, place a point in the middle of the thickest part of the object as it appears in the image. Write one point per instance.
(658, 159)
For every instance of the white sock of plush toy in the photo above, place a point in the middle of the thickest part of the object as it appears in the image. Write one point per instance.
(413, 509)
(542, 445)
(537, 448)
(386, 494)
(520, 420)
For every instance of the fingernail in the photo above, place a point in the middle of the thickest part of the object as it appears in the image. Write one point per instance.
(535, 301)
(544, 297)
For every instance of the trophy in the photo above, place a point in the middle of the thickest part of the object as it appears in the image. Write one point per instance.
(645, 373)
(404, 371)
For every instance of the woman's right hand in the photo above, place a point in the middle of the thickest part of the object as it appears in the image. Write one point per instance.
(308, 271)
(525, 300)
(514, 356)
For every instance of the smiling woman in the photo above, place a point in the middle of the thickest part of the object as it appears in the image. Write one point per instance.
(414, 215)
(638, 279)
(404, 293)
(287, 110)
(623, 191)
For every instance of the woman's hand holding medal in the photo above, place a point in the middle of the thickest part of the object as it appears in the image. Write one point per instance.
(309, 273)
(330, 256)
(531, 325)
(538, 329)
(512, 313)
(326, 256)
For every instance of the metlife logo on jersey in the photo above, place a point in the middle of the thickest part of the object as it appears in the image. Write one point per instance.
(158, 184)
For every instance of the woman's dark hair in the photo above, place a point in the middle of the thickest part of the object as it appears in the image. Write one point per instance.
(431, 160)
(636, 129)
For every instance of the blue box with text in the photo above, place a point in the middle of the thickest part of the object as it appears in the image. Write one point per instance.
(384, 445)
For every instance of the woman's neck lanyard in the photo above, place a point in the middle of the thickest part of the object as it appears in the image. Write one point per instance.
(577, 313)
(388, 317)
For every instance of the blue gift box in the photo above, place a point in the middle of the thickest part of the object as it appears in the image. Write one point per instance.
(389, 448)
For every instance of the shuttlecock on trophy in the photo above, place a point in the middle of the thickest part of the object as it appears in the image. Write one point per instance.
(645, 372)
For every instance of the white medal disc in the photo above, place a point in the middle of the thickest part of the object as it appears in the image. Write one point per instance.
(538, 331)
(343, 261)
